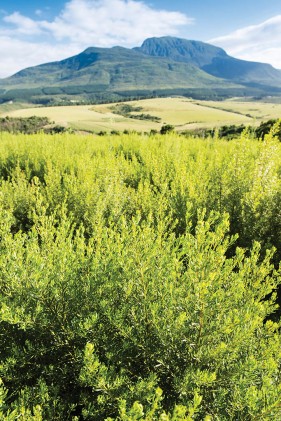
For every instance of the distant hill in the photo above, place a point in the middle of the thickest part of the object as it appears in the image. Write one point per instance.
(161, 66)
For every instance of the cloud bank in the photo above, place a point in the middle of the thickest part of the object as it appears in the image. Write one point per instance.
(82, 23)
(27, 42)
(256, 43)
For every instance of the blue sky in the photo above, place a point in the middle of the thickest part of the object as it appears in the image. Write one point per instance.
(34, 32)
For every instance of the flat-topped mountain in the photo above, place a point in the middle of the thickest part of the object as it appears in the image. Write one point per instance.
(213, 60)
(161, 66)
(181, 50)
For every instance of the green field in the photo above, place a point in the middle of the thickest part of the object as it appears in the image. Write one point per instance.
(139, 278)
(182, 113)
(256, 110)
(84, 117)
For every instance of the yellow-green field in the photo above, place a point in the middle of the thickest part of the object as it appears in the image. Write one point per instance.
(256, 110)
(183, 113)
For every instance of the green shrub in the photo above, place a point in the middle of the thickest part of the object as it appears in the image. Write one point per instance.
(125, 292)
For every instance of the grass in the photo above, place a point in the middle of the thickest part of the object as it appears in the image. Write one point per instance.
(257, 110)
(181, 112)
(83, 117)
(10, 106)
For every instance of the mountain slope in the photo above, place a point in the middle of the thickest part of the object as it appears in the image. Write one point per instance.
(211, 59)
(161, 66)
(181, 50)
(116, 68)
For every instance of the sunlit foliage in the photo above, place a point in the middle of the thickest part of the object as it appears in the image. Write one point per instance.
(139, 278)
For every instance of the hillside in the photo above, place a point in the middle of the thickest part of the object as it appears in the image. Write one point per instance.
(213, 60)
(161, 66)
(114, 68)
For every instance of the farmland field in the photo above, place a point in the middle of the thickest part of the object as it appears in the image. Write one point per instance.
(83, 117)
(182, 113)
(256, 110)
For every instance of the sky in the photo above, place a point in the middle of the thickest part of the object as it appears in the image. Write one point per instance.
(39, 31)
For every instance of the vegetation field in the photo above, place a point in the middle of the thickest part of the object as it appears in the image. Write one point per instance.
(84, 117)
(257, 110)
(182, 113)
(139, 278)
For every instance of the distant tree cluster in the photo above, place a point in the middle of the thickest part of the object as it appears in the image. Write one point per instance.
(23, 125)
(266, 126)
(234, 131)
(126, 110)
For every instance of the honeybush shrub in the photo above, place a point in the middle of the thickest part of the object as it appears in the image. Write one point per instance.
(125, 293)
(95, 329)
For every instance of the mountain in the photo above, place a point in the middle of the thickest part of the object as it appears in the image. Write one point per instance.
(213, 60)
(114, 68)
(161, 66)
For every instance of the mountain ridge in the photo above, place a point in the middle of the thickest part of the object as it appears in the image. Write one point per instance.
(164, 65)
(213, 60)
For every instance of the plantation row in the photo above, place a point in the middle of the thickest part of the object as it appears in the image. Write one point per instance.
(138, 278)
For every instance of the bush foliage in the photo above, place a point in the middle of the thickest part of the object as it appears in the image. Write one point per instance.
(23, 125)
(126, 293)
(126, 110)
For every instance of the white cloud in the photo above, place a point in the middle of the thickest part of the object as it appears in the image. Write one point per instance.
(17, 54)
(24, 24)
(82, 23)
(125, 22)
(256, 43)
